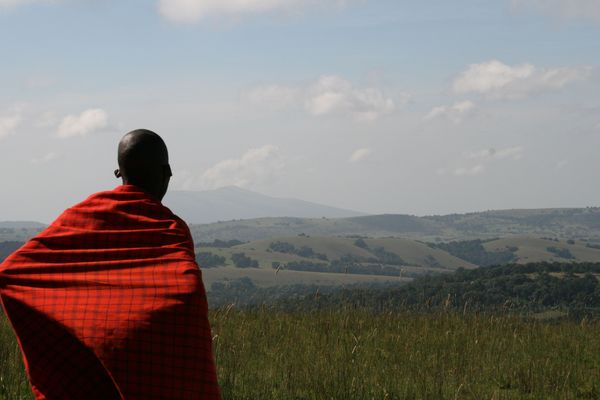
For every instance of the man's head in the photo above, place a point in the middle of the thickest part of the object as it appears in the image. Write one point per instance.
(144, 162)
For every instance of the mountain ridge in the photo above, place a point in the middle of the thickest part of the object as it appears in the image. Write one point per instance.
(567, 223)
(232, 203)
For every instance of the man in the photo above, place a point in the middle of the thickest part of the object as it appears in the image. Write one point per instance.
(108, 301)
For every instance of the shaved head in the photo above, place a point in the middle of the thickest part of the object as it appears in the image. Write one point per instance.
(144, 162)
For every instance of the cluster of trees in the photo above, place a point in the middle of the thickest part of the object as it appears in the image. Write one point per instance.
(244, 293)
(560, 252)
(304, 251)
(222, 244)
(385, 257)
(551, 239)
(381, 254)
(474, 252)
(531, 288)
(360, 242)
(241, 260)
(209, 260)
(383, 262)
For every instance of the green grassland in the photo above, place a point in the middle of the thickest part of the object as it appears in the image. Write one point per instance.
(13, 383)
(536, 249)
(419, 254)
(354, 354)
(263, 277)
(419, 258)
(413, 252)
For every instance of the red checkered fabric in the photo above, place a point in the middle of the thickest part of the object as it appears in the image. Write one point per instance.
(108, 303)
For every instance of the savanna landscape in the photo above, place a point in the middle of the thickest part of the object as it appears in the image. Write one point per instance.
(303, 316)
(387, 200)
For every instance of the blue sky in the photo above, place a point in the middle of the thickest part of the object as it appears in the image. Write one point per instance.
(379, 106)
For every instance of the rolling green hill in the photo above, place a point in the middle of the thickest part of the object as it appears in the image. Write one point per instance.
(380, 248)
(568, 223)
(339, 261)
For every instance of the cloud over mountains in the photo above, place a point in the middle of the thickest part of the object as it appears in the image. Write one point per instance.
(254, 166)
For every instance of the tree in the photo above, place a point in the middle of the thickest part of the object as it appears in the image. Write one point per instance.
(240, 260)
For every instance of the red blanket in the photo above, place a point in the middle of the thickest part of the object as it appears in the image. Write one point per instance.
(108, 303)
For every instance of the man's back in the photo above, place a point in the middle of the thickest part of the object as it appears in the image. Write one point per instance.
(108, 302)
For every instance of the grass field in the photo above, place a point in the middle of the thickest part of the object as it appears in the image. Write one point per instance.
(411, 251)
(532, 249)
(419, 258)
(263, 277)
(351, 354)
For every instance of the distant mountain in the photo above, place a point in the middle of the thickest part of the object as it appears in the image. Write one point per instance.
(232, 203)
(19, 231)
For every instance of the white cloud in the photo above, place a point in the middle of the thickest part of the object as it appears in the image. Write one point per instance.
(455, 113)
(182, 179)
(9, 123)
(469, 171)
(45, 158)
(328, 95)
(565, 9)
(491, 75)
(190, 11)
(87, 122)
(255, 166)
(360, 154)
(334, 95)
(495, 79)
(514, 153)
(275, 96)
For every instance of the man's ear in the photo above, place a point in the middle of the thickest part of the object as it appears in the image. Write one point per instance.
(117, 173)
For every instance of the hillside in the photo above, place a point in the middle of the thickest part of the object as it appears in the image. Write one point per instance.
(340, 261)
(412, 253)
(19, 230)
(377, 249)
(581, 224)
(572, 223)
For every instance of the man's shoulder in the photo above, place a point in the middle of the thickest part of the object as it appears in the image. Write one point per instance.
(125, 205)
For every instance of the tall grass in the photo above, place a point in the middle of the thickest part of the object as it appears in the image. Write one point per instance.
(13, 382)
(354, 354)
(358, 355)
